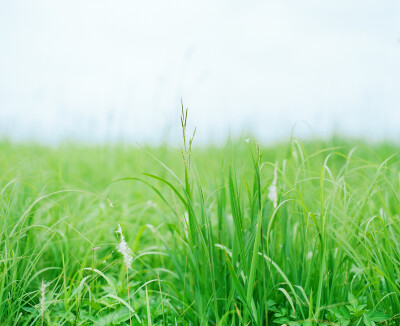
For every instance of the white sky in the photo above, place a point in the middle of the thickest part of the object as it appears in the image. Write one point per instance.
(106, 70)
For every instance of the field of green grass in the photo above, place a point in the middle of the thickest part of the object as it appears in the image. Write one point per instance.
(292, 233)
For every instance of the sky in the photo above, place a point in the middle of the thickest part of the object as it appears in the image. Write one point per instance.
(101, 70)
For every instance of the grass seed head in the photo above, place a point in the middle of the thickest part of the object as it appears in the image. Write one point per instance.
(43, 297)
(273, 190)
(124, 249)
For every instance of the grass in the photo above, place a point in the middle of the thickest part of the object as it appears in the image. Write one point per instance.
(209, 245)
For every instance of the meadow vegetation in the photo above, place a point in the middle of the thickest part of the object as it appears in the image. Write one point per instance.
(292, 233)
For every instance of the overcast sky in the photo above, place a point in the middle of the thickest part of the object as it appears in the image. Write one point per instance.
(107, 70)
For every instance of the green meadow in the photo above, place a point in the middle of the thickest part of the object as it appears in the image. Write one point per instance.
(291, 233)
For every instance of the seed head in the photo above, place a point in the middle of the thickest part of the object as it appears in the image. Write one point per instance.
(43, 297)
(273, 190)
(124, 249)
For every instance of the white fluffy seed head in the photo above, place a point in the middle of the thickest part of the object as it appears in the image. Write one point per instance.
(273, 189)
(124, 249)
(273, 195)
(43, 297)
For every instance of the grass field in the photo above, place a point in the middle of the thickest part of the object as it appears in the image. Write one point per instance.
(293, 233)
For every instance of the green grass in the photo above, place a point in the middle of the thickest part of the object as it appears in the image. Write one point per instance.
(209, 247)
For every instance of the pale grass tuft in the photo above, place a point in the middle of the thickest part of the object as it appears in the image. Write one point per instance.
(272, 189)
(43, 297)
(124, 249)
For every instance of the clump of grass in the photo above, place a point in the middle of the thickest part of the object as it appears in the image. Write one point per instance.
(295, 233)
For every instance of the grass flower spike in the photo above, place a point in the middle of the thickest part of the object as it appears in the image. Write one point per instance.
(124, 249)
(273, 190)
(43, 297)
